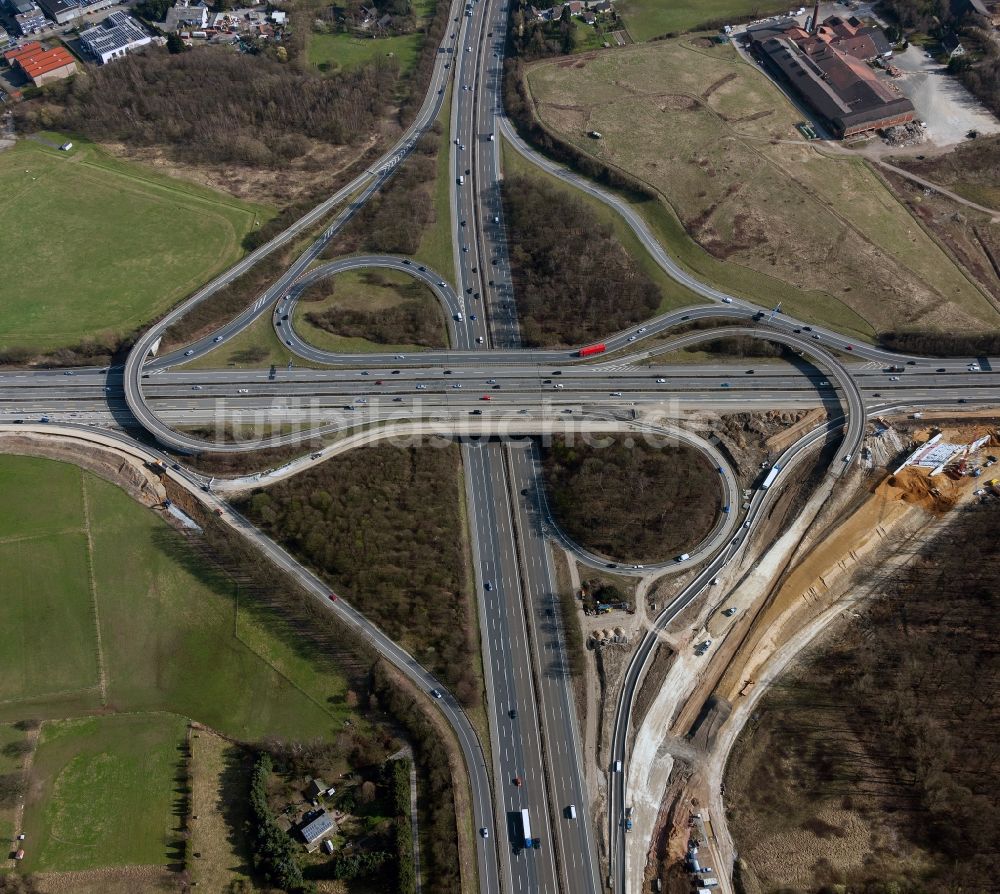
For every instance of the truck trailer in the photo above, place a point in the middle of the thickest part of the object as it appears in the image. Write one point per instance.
(771, 476)
(526, 828)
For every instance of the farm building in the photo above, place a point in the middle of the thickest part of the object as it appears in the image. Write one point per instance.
(827, 69)
(40, 65)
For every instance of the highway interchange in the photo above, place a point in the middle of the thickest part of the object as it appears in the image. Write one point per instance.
(486, 382)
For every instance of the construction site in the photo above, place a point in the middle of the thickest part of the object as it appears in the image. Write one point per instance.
(729, 766)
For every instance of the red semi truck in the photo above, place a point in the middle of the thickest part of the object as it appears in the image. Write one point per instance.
(591, 350)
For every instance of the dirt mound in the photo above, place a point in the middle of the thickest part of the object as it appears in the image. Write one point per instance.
(915, 486)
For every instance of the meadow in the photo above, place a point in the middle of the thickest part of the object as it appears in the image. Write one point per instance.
(95, 247)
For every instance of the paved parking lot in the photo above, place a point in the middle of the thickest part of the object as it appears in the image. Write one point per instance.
(948, 108)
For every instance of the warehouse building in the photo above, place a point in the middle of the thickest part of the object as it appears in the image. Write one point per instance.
(826, 68)
(117, 35)
(41, 66)
(60, 11)
(29, 18)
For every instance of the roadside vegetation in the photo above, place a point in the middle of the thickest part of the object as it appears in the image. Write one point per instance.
(77, 294)
(410, 214)
(871, 762)
(631, 500)
(382, 524)
(381, 307)
(568, 295)
(742, 201)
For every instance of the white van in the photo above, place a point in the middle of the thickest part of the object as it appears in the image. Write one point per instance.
(461, 179)
(459, 317)
(618, 766)
(571, 811)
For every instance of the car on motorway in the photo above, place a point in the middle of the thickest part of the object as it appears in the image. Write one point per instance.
(472, 317)
(512, 713)
(491, 381)
(421, 386)
(332, 597)
(518, 781)
(724, 385)
(242, 391)
(484, 832)
(69, 372)
(816, 336)
(727, 300)
(643, 328)
(632, 337)
(489, 584)
(486, 397)
(750, 372)
(893, 378)
(456, 384)
(217, 339)
(824, 383)
(189, 352)
(661, 381)
(479, 339)
(193, 388)
(436, 693)
(616, 394)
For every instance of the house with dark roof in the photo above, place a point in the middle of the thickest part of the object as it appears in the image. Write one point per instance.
(316, 827)
(952, 46)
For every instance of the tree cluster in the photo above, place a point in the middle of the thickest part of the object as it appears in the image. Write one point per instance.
(920, 15)
(896, 717)
(359, 864)
(633, 501)
(534, 39)
(412, 322)
(439, 830)
(382, 524)
(573, 280)
(942, 344)
(983, 77)
(214, 105)
(395, 218)
(273, 850)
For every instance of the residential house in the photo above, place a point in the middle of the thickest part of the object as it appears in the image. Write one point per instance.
(316, 826)
(183, 17)
(952, 46)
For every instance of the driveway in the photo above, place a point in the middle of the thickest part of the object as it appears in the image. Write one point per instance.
(940, 99)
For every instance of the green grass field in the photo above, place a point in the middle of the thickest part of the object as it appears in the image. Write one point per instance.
(169, 631)
(48, 640)
(331, 53)
(765, 215)
(646, 19)
(94, 247)
(105, 793)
